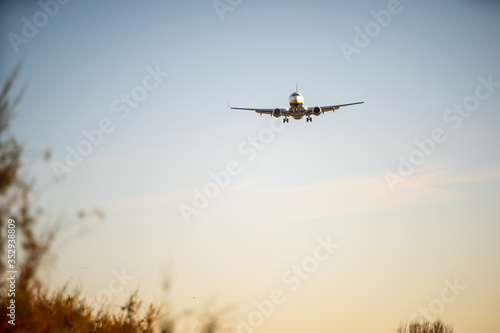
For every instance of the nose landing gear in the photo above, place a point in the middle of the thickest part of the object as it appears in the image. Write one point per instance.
(309, 119)
(286, 120)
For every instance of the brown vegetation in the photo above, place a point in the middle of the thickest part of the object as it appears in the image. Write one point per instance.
(424, 327)
(37, 309)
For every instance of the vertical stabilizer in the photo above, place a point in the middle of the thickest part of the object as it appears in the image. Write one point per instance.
(296, 87)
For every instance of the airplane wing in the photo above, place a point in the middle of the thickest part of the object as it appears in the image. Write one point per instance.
(260, 111)
(336, 107)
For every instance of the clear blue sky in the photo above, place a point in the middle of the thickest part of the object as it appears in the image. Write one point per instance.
(398, 245)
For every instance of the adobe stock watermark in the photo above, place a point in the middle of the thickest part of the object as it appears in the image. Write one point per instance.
(363, 37)
(121, 106)
(449, 294)
(30, 26)
(247, 150)
(223, 6)
(116, 285)
(292, 278)
(454, 118)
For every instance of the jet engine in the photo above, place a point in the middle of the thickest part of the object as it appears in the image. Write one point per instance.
(277, 113)
(317, 110)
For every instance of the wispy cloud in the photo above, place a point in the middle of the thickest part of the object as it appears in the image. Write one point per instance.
(431, 186)
(357, 196)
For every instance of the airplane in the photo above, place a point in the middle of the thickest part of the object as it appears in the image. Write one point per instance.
(297, 110)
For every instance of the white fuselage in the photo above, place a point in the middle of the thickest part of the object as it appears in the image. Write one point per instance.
(296, 99)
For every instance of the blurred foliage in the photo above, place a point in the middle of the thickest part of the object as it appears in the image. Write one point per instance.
(37, 309)
(424, 327)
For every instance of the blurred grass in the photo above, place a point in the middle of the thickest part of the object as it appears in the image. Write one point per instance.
(37, 309)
